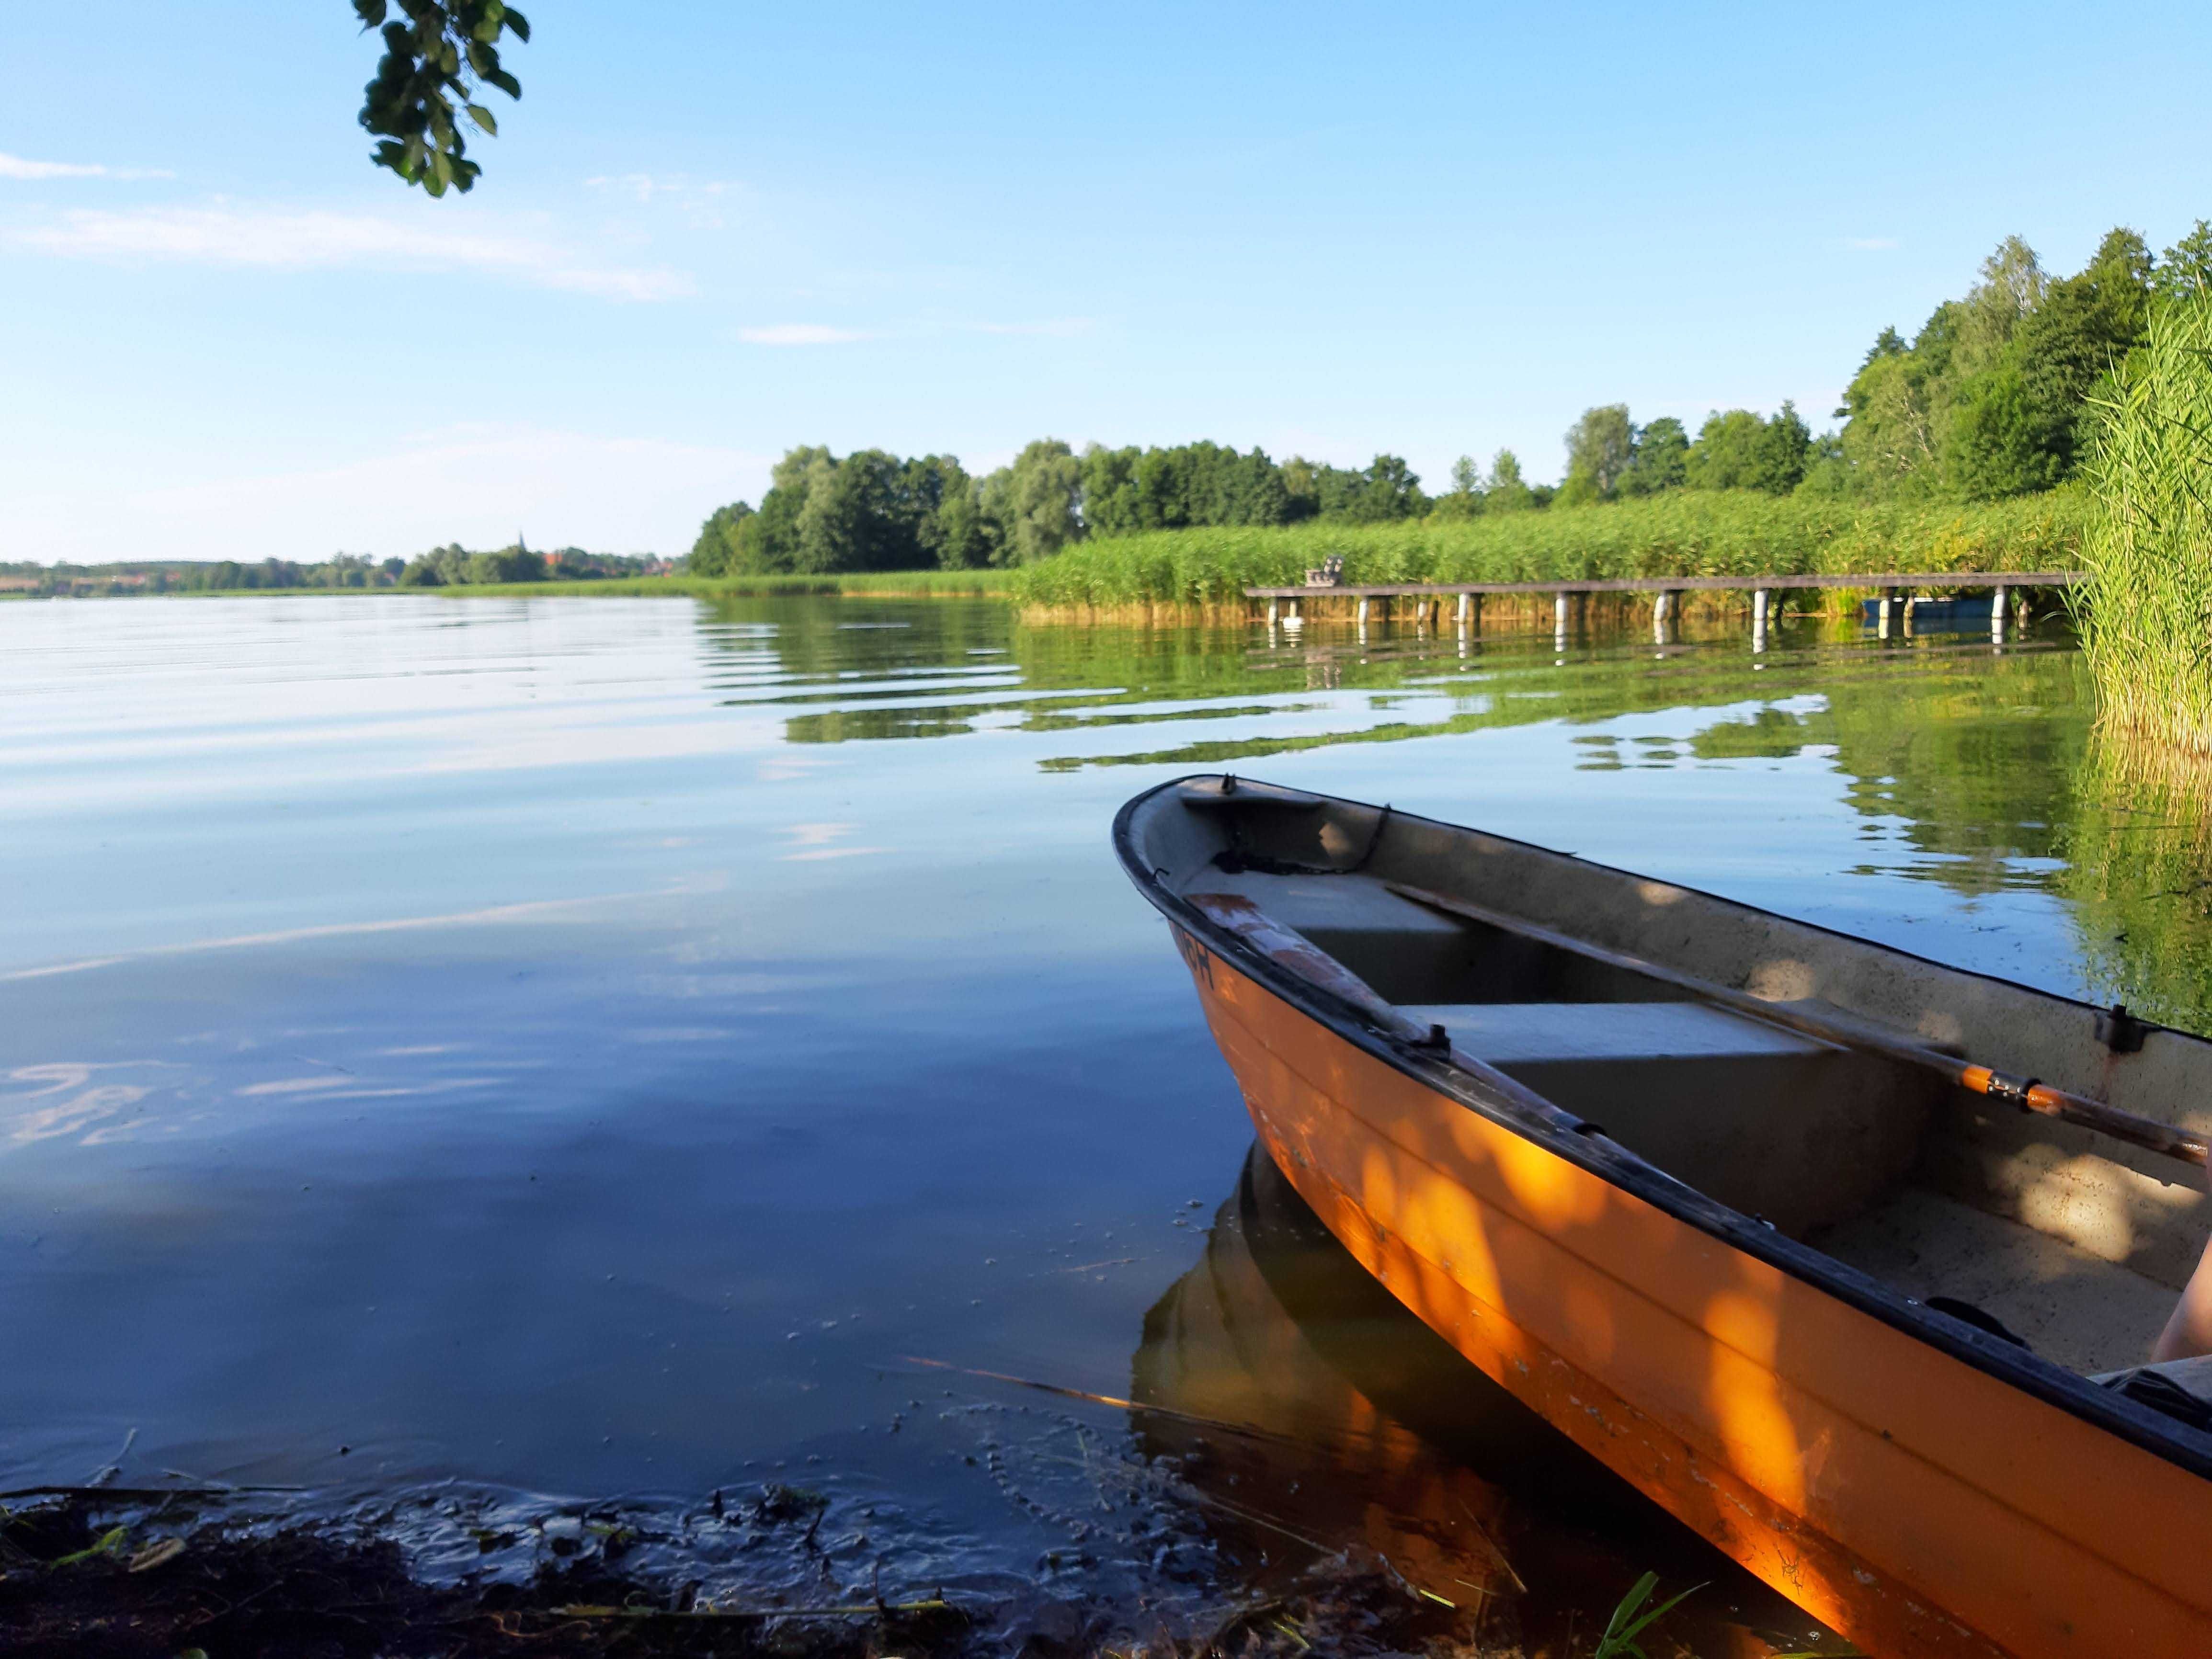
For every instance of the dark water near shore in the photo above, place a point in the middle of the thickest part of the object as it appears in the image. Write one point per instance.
(597, 1047)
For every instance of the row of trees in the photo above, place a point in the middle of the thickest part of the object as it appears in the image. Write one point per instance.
(1610, 458)
(872, 511)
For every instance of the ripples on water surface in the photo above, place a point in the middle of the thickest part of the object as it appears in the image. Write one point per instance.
(590, 1047)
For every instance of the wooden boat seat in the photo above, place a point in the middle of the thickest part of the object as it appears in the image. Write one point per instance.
(1411, 953)
(1796, 1131)
(1508, 1033)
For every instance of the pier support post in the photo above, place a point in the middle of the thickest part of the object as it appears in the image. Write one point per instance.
(1298, 618)
(1362, 610)
(1271, 616)
(1559, 620)
(1997, 617)
(1465, 609)
(1660, 606)
(1882, 616)
(1759, 599)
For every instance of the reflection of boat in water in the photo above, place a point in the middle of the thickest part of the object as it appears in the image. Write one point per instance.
(1426, 1021)
(1302, 1405)
(1282, 1444)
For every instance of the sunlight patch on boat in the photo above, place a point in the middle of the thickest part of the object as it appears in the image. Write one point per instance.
(2081, 1202)
(1784, 980)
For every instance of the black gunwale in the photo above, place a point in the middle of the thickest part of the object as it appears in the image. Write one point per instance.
(2041, 1378)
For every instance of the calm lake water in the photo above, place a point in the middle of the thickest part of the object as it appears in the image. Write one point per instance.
(569, 1048)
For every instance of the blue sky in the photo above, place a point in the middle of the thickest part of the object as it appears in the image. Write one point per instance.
(709, 232)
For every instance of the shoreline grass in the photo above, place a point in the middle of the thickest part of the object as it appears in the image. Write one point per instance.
(1685, 534)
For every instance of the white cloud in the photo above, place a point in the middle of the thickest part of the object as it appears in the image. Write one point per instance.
(479, 484)
(1871, 244)
(799, 334)
(18, 167)
(276, 238)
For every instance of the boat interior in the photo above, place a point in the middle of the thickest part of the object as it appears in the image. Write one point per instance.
(2069, 1242)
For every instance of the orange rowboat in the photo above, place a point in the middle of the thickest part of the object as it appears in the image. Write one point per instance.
(1847, 1259)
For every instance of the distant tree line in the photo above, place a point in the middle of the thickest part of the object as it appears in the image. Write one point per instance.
(344, 570)
(439, 568)
(1989, 400)
(455, 566)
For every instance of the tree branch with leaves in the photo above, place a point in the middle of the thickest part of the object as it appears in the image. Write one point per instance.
(437, 58)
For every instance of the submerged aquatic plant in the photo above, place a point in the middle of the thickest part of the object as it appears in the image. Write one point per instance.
(2145, 613)
(1629, 1620)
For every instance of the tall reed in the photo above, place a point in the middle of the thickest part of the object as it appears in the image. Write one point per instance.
(2145, 614)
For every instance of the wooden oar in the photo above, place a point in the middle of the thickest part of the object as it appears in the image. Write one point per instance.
(1309, 960)
(2026, 1093)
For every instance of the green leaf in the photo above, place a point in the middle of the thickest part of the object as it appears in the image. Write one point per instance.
(1619, 1641)
(106, 1544)
(435, 51)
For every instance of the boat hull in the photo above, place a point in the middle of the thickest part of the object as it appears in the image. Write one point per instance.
(1912, 1502)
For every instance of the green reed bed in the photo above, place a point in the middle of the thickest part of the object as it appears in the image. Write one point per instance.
(1683, 533)
(2145, 614)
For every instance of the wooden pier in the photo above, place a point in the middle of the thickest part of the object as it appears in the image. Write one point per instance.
(1897, 589)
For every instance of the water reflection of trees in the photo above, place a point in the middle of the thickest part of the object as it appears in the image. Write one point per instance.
(1966, 759)
(1979, 764)
(2139, 872)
